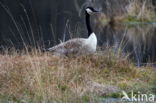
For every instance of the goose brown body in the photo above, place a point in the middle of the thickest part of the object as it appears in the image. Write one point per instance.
(77, 46)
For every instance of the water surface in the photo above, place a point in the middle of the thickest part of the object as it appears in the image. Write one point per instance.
(136, 39)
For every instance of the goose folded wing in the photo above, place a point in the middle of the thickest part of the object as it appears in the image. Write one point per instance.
(71, 46)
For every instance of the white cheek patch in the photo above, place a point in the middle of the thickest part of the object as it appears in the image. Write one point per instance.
(89, 11)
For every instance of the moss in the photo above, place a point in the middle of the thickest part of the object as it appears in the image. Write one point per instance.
(62, 87)
(115, 95)
(123, 85)
(86, 98)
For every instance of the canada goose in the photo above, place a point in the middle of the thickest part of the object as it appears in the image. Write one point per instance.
(79, 46)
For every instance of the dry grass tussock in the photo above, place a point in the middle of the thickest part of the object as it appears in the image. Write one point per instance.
(37, 77)
(141, 9)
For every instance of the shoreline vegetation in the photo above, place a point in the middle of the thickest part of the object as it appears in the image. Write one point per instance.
(35, 77)
(136, 11)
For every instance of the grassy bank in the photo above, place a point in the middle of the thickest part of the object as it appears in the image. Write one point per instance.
(135, 11)
(37, 77)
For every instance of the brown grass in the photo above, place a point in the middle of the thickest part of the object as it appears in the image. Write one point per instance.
(37, 77)
(142, 10)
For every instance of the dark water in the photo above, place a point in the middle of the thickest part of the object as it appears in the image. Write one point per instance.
(135, 39)
(115, 100)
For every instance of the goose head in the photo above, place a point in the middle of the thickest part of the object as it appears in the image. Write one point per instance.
(91, 10)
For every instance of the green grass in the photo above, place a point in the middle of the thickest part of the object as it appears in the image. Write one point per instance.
(35, 77)
(121, 20)
(136, 11)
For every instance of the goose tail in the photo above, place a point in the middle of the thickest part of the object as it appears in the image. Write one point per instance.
(50, 49)
(46, 49)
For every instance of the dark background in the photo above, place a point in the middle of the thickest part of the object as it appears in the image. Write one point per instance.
(35, 21)
(43, 22)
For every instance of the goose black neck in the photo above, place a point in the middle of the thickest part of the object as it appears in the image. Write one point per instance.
(88, 24)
